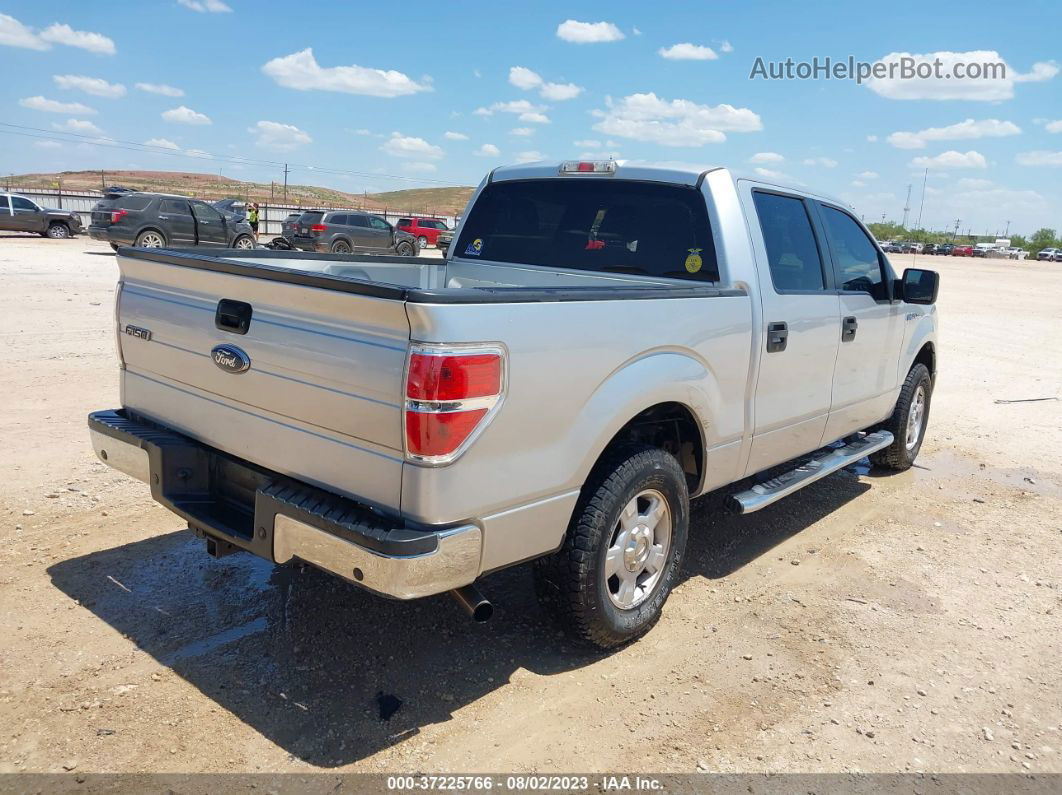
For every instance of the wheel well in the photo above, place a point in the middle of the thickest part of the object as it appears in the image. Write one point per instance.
(149, 229)
(59, 222)
(928, 356)
(671, 427)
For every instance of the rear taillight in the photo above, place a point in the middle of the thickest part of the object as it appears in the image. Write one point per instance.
(452, 393)
(317, 228)
(118, 215)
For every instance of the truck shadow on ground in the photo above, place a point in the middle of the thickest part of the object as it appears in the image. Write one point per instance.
(303, 657)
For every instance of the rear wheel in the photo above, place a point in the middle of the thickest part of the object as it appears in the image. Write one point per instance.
(244, 242)
(908, 422)
(58, 231)
(422, 241)
(341, 247)
(149, 238)
(405, 249)
(623, 550)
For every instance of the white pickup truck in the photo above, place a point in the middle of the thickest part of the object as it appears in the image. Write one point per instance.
(605, 342)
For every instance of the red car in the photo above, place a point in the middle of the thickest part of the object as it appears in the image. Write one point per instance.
(962, 251)
(426, 230)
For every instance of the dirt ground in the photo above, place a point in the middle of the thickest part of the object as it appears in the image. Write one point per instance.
(869, 623)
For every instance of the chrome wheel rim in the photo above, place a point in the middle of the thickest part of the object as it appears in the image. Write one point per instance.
(423, 241)
(57, 232)
(244, 242)
(150, 240)
(638, 550)
(915, 417)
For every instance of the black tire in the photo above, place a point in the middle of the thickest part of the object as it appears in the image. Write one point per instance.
(901, 454)
(244, 242)
(147, 238)
(341, 247)
(405, 249)
(58, 231)
(114, 246)
(572, 583)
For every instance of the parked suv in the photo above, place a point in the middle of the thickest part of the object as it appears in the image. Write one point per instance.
(344, 232)
(1049, 254)
(156, 220)
(19, 214)
(425, 230)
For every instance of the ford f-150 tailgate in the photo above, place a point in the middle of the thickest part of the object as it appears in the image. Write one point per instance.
(301, 380)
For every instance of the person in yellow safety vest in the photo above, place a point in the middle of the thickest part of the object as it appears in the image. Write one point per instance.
(252, 217)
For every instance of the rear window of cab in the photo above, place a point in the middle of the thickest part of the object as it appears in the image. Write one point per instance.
(640, 228)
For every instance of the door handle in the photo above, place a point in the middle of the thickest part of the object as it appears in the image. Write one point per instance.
(848, 328)
(777, 336)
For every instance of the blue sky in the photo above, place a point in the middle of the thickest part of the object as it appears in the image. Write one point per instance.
(381, 97)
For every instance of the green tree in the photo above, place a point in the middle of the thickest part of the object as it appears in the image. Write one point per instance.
(1041, 239)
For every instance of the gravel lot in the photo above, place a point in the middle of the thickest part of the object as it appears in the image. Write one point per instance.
(871, 623)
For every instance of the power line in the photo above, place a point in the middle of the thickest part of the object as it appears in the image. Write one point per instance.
(133, 146)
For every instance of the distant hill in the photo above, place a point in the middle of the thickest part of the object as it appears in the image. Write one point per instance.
(441, 201)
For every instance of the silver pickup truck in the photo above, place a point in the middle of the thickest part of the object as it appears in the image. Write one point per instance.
(604, 343)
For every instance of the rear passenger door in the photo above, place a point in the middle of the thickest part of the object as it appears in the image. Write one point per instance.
(798, 327)
(175, 217)
(28, 217)
(6, 219)
(872, 326)
(210, 227)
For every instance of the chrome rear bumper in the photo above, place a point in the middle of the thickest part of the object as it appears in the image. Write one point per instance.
(280, 519)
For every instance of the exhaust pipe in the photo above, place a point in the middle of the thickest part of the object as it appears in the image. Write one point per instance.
(474, 603)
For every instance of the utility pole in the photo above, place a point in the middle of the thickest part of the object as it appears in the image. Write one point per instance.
(103, 183)
(923, 202)
(285, 183)
(906, 207)
(955, 234)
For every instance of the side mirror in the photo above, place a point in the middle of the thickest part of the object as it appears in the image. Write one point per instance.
(919, 286)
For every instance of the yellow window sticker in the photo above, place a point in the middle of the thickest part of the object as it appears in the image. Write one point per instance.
(693, 261)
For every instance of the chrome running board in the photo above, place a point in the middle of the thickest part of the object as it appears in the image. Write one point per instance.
(763, 494)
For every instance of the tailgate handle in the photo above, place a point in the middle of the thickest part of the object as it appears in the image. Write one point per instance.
(234, 316)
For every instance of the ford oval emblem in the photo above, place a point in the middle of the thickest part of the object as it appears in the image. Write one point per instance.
(230, 358)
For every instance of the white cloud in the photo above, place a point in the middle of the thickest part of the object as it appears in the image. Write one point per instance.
(54, 106)
(301, 71)
(526, 79)
(1054, 126)
(454, 136)
(488, 150)
(968, 183)
(558, 92)
(161, 143)
(526, 111)
(588, 32)
(726, 46)
(279, 137)
(90, 85)
(825, 162)
(160, 88)
(857, 183)
(767, 173)
(687, 52)
(522, 77)
(361, 131)
(964, 130)
(1039, 158)
(47, 144)
(417, 167)
(522, 131)
(867, 175)
(951, 159)
(85, 40)
(14, 34)
(200, 154)
(205, 6)
(872, 138)
(766, 157)
(79, 127)
(588, 143)
(947, 85)
(408, 146)
(530, 156)
(534, 117)
(185, 115)
(679, 122)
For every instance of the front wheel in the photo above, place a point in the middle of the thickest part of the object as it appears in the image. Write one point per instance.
(405, 250)
(244, 242)
(58, 231)
(908, 422)
(149, 239)
(623, 550)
